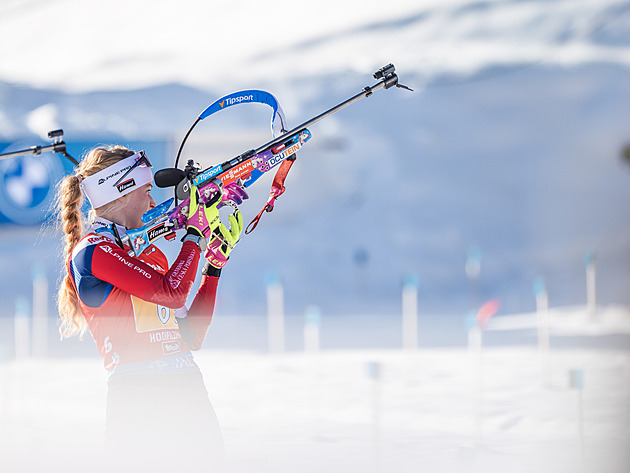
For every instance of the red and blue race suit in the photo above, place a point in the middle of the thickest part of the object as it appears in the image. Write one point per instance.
(129, 302)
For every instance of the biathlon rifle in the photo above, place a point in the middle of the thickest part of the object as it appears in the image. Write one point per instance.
(243, 170)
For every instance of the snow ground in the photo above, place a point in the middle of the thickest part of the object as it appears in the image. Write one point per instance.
(438, 409)
(295, 412)
(510, 143)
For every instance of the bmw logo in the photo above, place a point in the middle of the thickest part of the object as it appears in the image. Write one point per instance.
(27, 187)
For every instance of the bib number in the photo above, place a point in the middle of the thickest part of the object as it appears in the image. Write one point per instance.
(151, 316)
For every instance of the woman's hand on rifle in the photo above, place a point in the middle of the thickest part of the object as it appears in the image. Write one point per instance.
(223, 241)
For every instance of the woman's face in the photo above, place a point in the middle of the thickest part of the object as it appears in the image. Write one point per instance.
(136, 204)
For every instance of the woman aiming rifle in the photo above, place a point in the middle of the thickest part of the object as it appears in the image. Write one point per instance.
(158, 411)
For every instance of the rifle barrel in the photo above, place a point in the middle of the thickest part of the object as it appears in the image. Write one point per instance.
(366, 92)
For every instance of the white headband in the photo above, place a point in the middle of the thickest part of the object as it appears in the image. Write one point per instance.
(101, 187)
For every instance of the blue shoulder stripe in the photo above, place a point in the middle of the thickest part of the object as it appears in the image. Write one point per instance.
(92, 291)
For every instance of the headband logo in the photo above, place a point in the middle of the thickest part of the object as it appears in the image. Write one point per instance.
(103, 179)
(123, 186)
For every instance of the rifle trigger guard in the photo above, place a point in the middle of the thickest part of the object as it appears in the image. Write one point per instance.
(231, 204)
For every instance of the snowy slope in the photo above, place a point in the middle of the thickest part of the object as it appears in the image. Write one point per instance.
(509, 144)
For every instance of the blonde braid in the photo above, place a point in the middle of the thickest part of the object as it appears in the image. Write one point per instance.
(69, 203)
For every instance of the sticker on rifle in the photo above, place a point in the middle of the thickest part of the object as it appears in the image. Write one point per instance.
(238, 172)
(278, 158)
(207, 174)
(157, 231)
(282, 152)
(140, 243)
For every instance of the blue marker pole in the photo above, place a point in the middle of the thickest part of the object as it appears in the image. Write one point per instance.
(312, 321)
(542, 320)
(475, 346)
(576, 381)
(374, 373)
(275, 314)
(40, 312)
(410, 312)
(591, 293)
(473, 273)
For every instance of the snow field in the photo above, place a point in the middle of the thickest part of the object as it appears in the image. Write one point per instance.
(327, 412)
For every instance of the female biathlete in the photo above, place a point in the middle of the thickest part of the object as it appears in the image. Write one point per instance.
(158, 411)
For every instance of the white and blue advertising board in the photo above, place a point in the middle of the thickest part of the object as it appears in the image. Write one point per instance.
(28, 183)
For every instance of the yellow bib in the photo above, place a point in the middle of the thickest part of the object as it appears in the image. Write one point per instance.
(150, 316)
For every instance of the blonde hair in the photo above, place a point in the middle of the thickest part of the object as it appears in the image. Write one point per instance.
(69, 203)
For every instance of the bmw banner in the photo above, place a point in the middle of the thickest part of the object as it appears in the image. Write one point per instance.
(28, 183)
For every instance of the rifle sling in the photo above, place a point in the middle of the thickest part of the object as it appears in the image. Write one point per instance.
(277, 189)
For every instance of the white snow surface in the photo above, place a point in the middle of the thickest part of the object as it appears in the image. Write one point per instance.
(433, 410)
(510, 144)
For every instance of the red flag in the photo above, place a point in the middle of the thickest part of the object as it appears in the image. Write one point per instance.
(486, 311)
